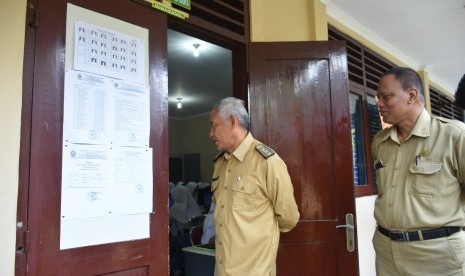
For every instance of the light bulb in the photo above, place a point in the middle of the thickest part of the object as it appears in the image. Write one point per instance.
(196, 49)
(179, 105)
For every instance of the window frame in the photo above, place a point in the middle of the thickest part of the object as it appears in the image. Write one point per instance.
(369, 188)
(365, 68)
(443, 106)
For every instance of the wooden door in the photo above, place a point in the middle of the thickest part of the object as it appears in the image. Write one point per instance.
(38, 242)
(299, 106)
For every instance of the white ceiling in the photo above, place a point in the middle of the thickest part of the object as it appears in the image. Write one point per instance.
(425, 34)
(198, 81)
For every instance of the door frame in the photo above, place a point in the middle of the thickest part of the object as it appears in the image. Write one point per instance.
(25, 139)
(193, 27)
(24, 235)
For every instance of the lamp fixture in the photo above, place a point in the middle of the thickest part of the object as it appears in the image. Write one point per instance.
(179, 104)
(196, 49)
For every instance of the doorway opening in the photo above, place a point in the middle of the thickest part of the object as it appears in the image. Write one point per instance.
(199, 74)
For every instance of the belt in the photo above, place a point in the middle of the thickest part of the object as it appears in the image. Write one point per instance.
(419, 235)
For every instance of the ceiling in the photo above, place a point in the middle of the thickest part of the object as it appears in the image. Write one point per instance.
(425, 34)
(198, 81)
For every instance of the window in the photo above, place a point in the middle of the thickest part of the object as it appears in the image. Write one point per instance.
(365, 70)
(443, 106)
(358, 143)
(374, 126)
(365, 123)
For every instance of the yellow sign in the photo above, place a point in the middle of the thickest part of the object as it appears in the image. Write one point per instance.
(169, 10)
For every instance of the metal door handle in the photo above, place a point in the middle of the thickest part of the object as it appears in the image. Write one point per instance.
(349, 226)
(345, 226)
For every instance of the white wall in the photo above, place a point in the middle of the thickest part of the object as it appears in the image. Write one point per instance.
(12, 22)
(175, 138)
(190, 135)
(366, 226)
(196, 140)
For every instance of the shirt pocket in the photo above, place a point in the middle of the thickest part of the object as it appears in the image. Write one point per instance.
(381, 177)
(245, 195)
(424, 179)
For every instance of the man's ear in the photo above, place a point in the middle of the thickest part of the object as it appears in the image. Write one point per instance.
(233, 120)
(413, 95)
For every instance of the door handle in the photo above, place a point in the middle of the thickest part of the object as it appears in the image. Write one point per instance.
(349, 226)
(345, 226)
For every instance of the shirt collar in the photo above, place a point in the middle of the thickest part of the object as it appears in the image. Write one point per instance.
(420, 129)
(242, 149)
(422, 126)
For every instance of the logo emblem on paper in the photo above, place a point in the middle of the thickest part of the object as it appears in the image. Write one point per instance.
(93, 196)
(131, 137)
(139, 188)
(92, 134)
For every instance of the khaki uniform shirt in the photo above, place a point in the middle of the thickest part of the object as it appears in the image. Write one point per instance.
(420, 181)
(254, 201)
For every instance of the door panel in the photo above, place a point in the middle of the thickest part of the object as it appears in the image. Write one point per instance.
(299, 106)
(42, 223)
(139, 271)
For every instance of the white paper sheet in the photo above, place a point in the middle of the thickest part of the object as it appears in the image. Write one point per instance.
(107, 191)
(132, 172)
(86, 108)
(80, 232)
(130, 111)
(107, 52)
(102, 110)
(87, 181)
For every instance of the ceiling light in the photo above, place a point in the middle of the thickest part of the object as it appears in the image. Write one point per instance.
(179, 105)
(196, 49)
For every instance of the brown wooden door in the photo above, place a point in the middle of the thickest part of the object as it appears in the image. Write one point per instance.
(38, 241)
(299, 106)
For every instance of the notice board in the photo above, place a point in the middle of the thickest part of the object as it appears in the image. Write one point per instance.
(107, 178)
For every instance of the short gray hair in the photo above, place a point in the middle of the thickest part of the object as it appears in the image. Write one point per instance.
(235, 107)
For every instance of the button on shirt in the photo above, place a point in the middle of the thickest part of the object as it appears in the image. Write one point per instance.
(254, 202)
(420, 181)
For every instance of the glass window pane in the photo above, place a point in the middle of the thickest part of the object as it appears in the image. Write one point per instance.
(358, 146)
(374, 120)
(374, 125)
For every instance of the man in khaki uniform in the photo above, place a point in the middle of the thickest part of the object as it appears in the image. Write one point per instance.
(253, 194)
(420, 172)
